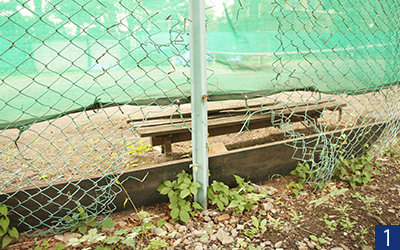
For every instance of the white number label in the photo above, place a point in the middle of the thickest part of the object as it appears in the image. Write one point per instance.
(387, 237)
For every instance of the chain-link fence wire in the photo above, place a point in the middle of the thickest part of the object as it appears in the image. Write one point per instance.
(349, 49)
(73, 72)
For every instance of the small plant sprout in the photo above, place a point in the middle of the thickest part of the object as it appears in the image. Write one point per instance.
(379, 211)
(363, 231)
(255, 248)
(323, 239)
(331, 224)
(343, 209)
(259, 226)
(347, 225)
(80, 220)
(242, 244)
(276, 224)
(300, 172)
(366, 200)
(295, 217)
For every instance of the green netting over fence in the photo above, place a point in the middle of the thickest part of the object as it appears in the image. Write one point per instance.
(59, 57)
(73, 71)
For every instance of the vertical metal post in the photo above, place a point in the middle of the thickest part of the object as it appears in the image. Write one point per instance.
(199, 97)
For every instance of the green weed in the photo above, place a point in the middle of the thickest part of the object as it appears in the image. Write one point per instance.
(180, 193)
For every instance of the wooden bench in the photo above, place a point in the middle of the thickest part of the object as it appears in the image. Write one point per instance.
(165, 130)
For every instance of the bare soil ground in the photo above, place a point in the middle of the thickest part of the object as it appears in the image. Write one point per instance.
(72, 147)
(299, 220)
(89, 144)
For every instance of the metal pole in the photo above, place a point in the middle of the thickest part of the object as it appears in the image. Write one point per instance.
(199, 97)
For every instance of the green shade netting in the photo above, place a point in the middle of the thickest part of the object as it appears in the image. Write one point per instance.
(58, 57)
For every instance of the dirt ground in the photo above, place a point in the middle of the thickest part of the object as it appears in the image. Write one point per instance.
(89, 144)
(73, 147)
(298, 218)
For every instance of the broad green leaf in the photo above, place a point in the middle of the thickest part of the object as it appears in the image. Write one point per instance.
(2, 231)
(255, 221)
(184, 193)
(210, 193)
(121, 232)
(112, 239)
(181, 202)
(38, 248)
(173, 199)
(197, 206)
(92, 223)
(314, 238)
(82, 229)
(6, 240)
(175, 213)
(74, 242)
(129, 242)
(61, 247)
(196, 184)
(161, 223)
(184, 216)
(160, 187)
(220, 205)
(263, 223)
(186, 207)
(234, 203)
(239, 179)
(104, 247)
(165, 190)
(173, 206)
(249, 233)
(93, 236)
(172, 195)
(4, 223)
(193, 190)
(184, 186)
(168, 183)
(3, 210)
(108, 223)
(45, 243)
(224, 200)
(323, 241)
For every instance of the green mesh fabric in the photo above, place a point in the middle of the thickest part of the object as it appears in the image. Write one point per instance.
(70, 69)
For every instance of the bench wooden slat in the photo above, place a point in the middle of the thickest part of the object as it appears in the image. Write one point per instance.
(214, 122)
(162, 132)
(211, 111)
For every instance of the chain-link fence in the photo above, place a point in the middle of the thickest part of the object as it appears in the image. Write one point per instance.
(74, 72)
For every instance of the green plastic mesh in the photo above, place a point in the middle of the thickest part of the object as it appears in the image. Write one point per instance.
(74, 71)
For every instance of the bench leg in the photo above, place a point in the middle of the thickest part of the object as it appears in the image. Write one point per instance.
(166, 147)
(340, 114)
